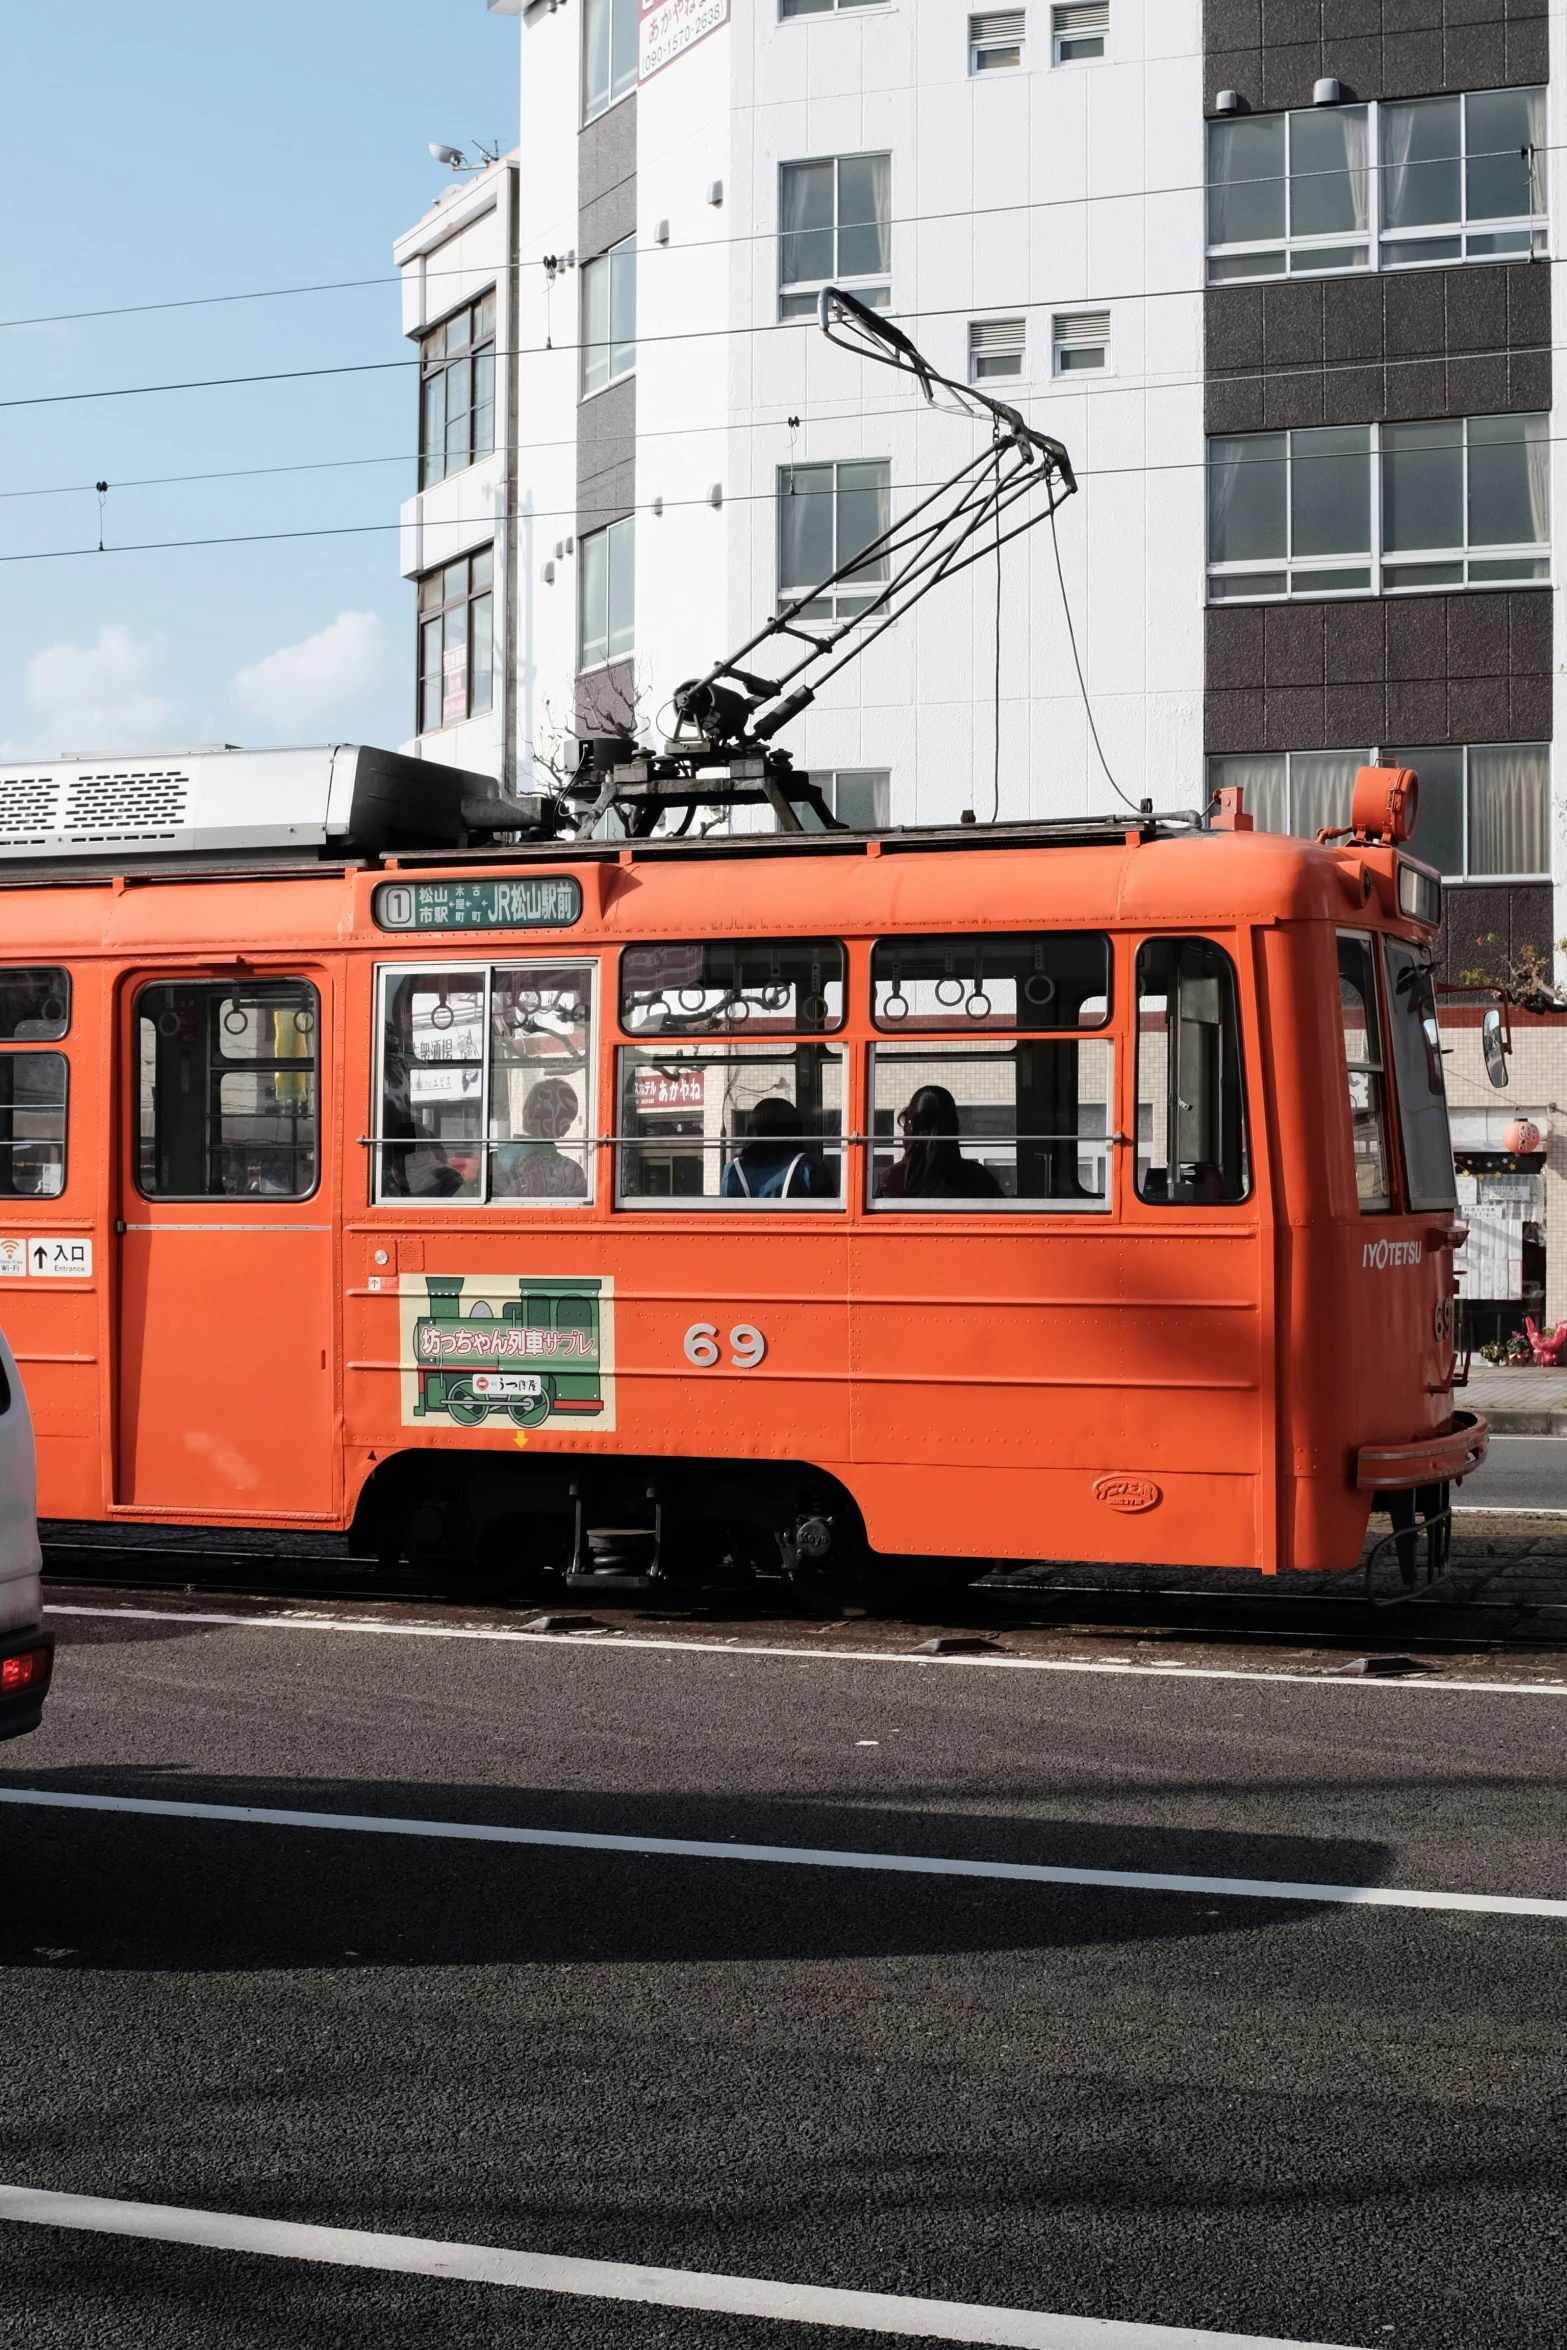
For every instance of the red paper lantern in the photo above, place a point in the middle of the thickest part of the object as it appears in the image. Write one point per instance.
(1521, 1137)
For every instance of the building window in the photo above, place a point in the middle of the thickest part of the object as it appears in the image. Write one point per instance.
(1470, 497)
(1080, 340)
(609, 316)
(835, 228)
(1457, 179)
(787, 8)
(1079, 29)
(995, 42)
(995, 347)
(1463, 178)
(1368, 509)
(828, 514)
(860, 797)
(457, 391)
(609, 54)
(607, 585)
(1304, 792)
(1485, 808)
(456, 641)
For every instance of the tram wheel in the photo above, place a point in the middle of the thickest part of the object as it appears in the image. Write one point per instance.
(464, 1406)
(535, 1409)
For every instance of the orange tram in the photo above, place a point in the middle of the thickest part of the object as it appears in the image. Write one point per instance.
(589, 1214)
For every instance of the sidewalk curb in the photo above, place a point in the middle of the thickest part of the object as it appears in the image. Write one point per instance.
(1525, 1423)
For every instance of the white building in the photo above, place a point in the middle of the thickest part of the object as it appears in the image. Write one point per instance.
(1027, 202)
(459, 535)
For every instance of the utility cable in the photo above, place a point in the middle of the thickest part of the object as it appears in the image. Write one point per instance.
(903, 220)
(1082, 687)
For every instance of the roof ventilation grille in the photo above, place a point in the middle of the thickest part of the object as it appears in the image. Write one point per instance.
(27, 804)
(120, 806)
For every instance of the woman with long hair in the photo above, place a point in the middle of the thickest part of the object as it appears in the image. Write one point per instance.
(932, 1166)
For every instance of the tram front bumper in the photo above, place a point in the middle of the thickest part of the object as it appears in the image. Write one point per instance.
(1434, 1460)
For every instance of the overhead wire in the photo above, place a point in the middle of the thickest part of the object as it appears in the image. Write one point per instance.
(1371, 169)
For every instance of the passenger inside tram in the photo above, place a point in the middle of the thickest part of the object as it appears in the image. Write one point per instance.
(932, 1166)
(538, 1168)
(777, 1162)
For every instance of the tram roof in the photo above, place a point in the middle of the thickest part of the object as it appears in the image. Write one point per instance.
(1084, 873)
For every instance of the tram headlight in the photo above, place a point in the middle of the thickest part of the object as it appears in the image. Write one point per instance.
(1419, 895)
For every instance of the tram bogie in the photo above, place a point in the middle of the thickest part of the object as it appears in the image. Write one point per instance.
(575, 1215)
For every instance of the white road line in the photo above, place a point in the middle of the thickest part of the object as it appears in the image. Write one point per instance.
(911, 1864)
(616, 1643)
(614, 2280)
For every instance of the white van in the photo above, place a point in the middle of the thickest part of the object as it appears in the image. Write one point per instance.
(26, 1649)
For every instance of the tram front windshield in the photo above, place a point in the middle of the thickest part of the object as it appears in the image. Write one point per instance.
(1422, 1089)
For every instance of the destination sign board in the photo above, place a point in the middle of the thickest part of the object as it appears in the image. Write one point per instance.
(551, 901)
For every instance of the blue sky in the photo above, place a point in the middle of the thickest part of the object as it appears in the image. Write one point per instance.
(170, 151)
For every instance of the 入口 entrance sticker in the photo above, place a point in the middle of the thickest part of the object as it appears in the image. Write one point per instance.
(68, 1259)
(513, 1350)
(13, 1259)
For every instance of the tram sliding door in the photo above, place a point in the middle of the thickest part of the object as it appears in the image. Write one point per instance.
(224, 1329)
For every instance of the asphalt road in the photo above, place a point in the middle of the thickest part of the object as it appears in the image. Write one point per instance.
(1294, 2119)
(1521, 1473)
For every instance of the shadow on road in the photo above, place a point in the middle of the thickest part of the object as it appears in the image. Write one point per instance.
(127, 1890)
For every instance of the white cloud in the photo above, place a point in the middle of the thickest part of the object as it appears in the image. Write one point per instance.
(319, 679)
(94, 697)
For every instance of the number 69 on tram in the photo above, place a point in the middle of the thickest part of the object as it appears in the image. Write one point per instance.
(593, 1214)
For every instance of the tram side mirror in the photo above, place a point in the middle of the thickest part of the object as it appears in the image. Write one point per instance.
(1494, 1048)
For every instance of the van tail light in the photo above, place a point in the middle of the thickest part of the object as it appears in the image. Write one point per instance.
(27, 1671)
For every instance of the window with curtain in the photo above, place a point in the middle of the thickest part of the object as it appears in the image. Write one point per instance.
(827, 515)
(609, 54)
(1462, 178)
(1304, 792)
(1464, 502)
(1485, 810)
(1290, 513)
(1289, 193)
(834, 227)
(457, 391)
(1423, 182)
(609, 316)
(1468, 496)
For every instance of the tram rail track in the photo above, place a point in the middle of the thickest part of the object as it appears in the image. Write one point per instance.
(1504, 1591)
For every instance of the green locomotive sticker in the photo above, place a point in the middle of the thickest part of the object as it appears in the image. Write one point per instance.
(524, 1351)
(550, 901)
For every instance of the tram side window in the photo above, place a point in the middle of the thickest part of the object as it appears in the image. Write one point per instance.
(1191, 1109)
(999, 1124)
(725, 987)
(35, 1004)
(32, 1125)
(758, 1124)
(1032, 980)
(487, 1083)
(1362, 1028)
(227, 1089)
(1422, 1088)
(755, 1120)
